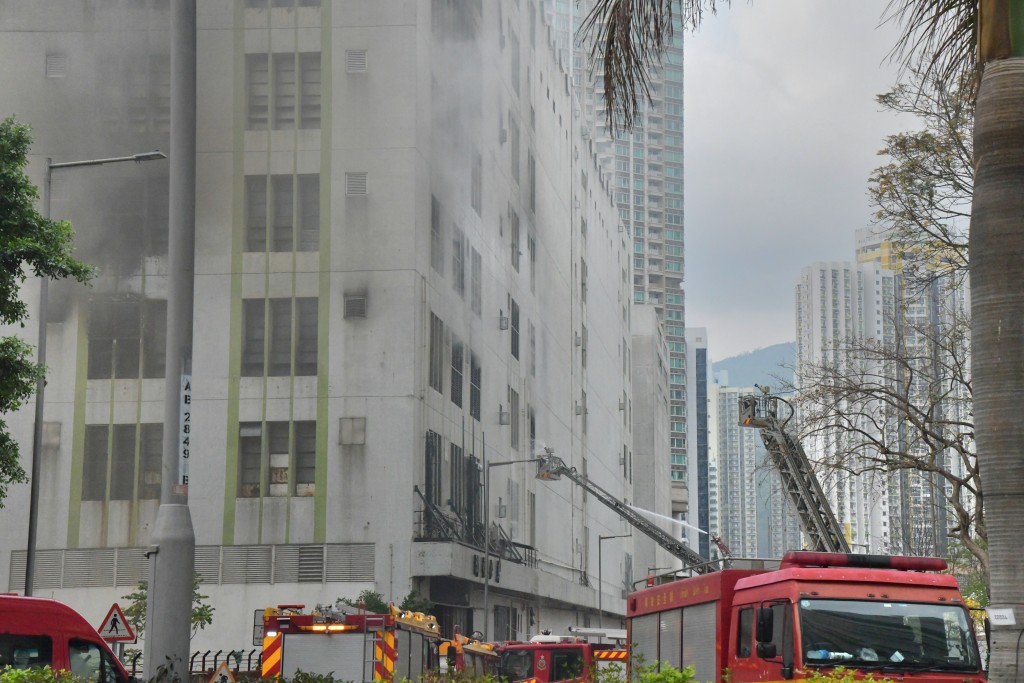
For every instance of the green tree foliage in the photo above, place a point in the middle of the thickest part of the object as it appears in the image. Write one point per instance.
(374, 602)
(29, 244)
(36, 675)
(922, 196)
(135, 612)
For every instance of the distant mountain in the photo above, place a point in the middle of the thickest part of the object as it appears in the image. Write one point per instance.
(761, 366)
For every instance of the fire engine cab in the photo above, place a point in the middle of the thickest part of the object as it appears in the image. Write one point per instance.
(353, 647)
(549, 658)
(894, 616)
(468, 656)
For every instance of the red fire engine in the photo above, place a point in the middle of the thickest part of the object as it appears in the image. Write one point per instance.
(893, 616)
(468, 656)
(353, 647)
(547, 658)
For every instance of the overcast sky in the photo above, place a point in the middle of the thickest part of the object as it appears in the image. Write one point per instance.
(782, 132)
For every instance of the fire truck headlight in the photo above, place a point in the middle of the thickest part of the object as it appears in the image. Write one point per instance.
(271, 634)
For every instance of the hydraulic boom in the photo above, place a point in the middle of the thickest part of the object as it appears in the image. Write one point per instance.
(798, 478)
(552, 468)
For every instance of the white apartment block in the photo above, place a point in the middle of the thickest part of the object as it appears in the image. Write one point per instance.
(649, 459)
(734, 450)
(698, 401)
(836, 301)
(408, 261)
(924, 314)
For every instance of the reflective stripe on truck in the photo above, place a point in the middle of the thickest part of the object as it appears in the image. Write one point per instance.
(384, 653)
(272, 655)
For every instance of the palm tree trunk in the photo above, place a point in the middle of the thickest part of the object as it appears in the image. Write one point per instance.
(997, 302)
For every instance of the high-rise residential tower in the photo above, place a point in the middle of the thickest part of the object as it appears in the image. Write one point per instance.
(837, 301)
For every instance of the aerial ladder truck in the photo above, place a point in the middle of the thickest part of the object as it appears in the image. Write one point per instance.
(771, 414)
(552, 468)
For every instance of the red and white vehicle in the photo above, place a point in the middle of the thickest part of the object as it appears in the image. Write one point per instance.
(892, 616)
(547, 658)
(352, 647)
(468, 656)
(38, 632)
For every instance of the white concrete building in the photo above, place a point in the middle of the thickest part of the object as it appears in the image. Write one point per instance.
(836, 301)
(734, 448)
(650, 460)
(647, 173)
(698, 404)
(930, 319)
(407, 262)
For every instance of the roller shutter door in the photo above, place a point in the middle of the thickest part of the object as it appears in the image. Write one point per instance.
(699, 635)
(644, 637)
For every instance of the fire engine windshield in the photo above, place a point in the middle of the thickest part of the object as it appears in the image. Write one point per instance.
(516, 665)
(897, 636)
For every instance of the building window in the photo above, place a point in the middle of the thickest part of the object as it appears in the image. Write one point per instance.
(476, 184)
(457, 479)
(583, 280)
(531, 246)
(513, 126)
(475, 377)
(432, 466)
(458, 260)
(531, 180)
(476, 282)
(513, 409)
(94, 470)
(514, 49)
(514, 229)
(282, 454)
(458, 360)
(296, 224)
(514, 326)
(436, 354)
(583, 345)
(284, 89)
(270, 326)
(127, 338)
(130, 453)
(436, 236)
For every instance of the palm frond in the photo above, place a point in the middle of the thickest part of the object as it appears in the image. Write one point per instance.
(937, 37)
(630, 36)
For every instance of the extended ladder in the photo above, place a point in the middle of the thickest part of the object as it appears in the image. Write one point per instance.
(795, 470)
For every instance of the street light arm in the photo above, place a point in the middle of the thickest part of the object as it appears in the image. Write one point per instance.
(37, 438)
(137, 158)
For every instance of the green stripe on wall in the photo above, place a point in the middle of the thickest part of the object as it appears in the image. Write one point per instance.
(78, 432)
(235, 322)
(323, 315)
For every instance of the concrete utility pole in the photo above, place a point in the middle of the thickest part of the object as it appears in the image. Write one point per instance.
(173, 548)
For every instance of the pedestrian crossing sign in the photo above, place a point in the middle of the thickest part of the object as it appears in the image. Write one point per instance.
(115, 628)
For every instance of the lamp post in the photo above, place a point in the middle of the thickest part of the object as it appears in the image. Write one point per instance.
(600, 578)
(37, 436)
(487, 528)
